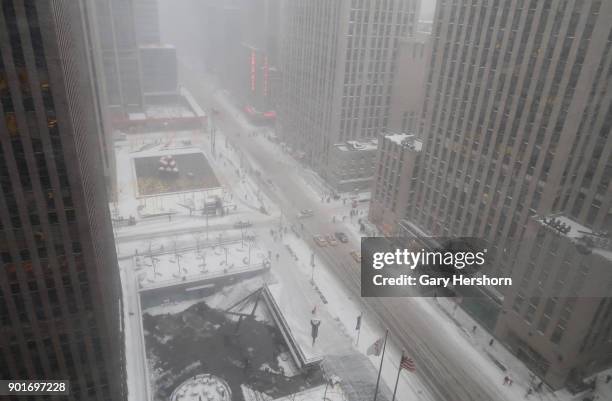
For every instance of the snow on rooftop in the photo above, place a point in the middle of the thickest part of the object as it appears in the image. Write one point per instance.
(137, 116)
(156, 46)
(400, 138)
(168, 111)
(577, 232)
(353, 146)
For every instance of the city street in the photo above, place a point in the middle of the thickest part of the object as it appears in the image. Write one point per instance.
(448, 373)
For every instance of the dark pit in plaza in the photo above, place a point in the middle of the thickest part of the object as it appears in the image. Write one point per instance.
(174, 173)
(205, 340)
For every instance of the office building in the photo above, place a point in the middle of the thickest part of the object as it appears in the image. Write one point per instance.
(260, 77)
(516, 130)
(146, 22)
(351, 165)
(397, 158)
(337, 66)
(241, 47)
(113, 20)
(159, 72)
(60, 296)
(408, 88)
(222, 40)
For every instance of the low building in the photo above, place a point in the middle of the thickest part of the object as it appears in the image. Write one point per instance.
(351, 165)
(396, 167)
(164, 113)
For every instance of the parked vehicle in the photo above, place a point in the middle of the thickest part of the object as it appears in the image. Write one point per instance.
(342, 237)
(319, 240)
(305, 213)
(331, 240)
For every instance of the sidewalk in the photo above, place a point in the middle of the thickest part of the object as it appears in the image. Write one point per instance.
(501, 357)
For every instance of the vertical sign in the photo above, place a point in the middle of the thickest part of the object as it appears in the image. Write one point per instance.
(253, 71)
(266, 74)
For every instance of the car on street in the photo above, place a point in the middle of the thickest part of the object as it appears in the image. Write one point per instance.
(242, 224)
(305, 213)
(319, 240)
(356, 256)
(342, 237)
(331, 240)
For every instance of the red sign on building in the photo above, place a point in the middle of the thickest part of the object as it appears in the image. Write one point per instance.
(253, 70)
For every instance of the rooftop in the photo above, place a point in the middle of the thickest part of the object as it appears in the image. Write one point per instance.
(405, 140)
(353, 146)
(597, 242)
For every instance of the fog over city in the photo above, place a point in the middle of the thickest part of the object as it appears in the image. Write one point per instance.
(300, 200)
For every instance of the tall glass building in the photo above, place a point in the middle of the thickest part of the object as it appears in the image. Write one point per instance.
(60, 296)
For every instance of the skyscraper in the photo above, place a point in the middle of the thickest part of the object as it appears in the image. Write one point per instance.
(337, 65)
(259, 80)
(60, 297)
(146, 22)
(114, 22)
(516, 130)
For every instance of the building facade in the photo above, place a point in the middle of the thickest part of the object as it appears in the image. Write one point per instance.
(222, 41)
(408, 87)
(351, 165)
(146, 22)
(260, 77)
(397, 159)
(159, 71)
(337, 66)
(558, 318)
(515, 126)
(60, 296)
(113, 21)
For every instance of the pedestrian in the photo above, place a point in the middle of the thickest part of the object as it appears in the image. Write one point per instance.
(314, 310)
(510, 381)
(491, 342)
(506, 380)
(474, 329)
(608, 378)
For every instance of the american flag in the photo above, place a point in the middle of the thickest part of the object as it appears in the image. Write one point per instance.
(376, 347)
(408, 364)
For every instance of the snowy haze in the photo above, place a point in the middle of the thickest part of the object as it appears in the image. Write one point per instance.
(428, 8)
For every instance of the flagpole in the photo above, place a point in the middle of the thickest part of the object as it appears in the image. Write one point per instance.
(381, 364)
(399, 370)
(359, 331)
